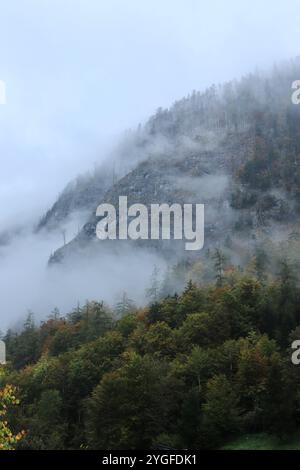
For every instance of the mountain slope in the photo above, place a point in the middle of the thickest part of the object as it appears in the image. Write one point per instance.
(235, 148)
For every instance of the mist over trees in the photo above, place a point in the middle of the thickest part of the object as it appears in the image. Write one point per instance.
(206, 357)
(194, 370)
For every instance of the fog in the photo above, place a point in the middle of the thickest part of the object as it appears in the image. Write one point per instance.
(27, 285)
(80, 73)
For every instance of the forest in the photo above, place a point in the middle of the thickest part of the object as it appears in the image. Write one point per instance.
(206, 361)
(188, 371)
(149, 230)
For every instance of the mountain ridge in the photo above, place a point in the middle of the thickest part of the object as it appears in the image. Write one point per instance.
(245, 131)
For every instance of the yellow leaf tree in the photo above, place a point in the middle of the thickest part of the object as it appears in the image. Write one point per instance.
(8, 398)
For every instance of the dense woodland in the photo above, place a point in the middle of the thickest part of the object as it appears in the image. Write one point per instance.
(188, 371)
(197, 366)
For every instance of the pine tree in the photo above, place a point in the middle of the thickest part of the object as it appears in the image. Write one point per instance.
(124, 306)
(152, 293)
(219, 264)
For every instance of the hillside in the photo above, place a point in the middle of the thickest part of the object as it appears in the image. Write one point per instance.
(205, 362)
(191, 371)
(234, 148)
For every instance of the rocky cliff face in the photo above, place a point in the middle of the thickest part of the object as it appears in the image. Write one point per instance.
(235, 149)
(191, 176)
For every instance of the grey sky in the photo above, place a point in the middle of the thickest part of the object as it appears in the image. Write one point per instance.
(78, 72)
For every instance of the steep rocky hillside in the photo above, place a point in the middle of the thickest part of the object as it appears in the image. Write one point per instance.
(234, 148)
